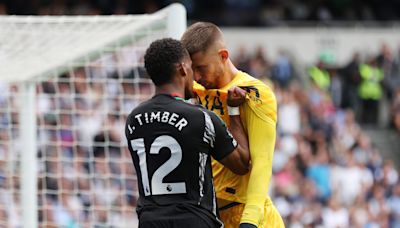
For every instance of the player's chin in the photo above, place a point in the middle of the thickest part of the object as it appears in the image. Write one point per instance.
(204, 84)
(208, 86)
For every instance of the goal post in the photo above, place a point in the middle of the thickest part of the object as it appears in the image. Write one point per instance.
(28, 167)
(69, 82)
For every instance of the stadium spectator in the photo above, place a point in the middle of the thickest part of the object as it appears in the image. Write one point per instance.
(319, 75)
(259, 64)
(351, 80)
(370, 90)
(394, 204)
(395, 109)
(288, 114)
(319, 171)
(336, 87)
(282, 71)
(242, 59)
(335, 215)
(391, 70)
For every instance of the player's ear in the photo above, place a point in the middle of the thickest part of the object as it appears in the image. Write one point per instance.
(224, 54)
(181, 69)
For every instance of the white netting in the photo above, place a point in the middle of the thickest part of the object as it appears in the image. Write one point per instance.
(89, 75)
(45, 44)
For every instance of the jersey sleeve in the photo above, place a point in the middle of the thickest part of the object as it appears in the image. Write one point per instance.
(224, 142)
(262, 135)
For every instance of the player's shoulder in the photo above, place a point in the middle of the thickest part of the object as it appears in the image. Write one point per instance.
(256, 87)
(248, 80)
(138, 109)
(262, 99)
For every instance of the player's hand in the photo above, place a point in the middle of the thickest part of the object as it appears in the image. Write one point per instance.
(247, 225)
(236, 96)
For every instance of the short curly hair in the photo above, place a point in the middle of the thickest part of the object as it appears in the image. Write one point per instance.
(161, 57)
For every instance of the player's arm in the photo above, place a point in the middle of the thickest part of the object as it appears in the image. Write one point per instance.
(234, 162)
(226, 149)
(236, 97)
(237, 130)
(254, 208)
(262, 135)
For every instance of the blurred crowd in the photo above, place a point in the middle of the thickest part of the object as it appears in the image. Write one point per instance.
(326, 170)
(221, 12)
(86, 177)
(369, 86)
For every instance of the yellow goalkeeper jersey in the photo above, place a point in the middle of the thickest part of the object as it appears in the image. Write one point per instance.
(259, 116)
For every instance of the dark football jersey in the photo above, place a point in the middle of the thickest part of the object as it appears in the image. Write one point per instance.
(171, 142)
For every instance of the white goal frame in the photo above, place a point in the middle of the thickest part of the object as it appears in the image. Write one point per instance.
(175, 15)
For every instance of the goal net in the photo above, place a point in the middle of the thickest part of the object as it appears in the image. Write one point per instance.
(67, 84)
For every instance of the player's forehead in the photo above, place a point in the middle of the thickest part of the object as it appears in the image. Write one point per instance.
(202, 57)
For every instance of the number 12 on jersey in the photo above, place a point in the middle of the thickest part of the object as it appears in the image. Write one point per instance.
(158, 187)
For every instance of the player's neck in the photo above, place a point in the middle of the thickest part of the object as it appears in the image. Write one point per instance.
(229, 75)
(170, 89)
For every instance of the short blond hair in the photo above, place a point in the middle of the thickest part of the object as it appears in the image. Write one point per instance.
(200, 36)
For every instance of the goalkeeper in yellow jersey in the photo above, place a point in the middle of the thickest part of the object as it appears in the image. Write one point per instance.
(243, 201)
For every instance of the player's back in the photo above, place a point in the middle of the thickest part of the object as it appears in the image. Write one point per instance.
(171, 142)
